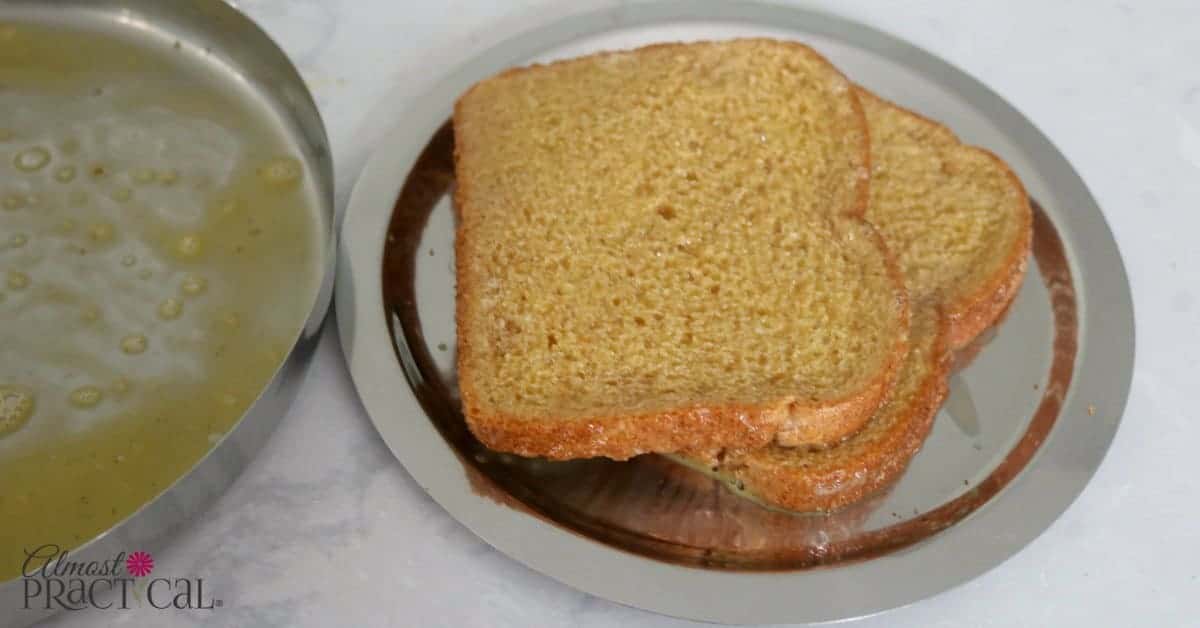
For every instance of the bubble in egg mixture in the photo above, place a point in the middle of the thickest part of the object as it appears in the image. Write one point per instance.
(86, 397)
(170, 309)
(144, 175)
(17, 280)
(193, 285)
(32, 159)
(168, 177)
(134, 344)
(98, 171)
(101, 232)
(18, 240)
(282, 171)
(65, 174)
(129, 260)
(226, 207)
(188, 246)
(90, 314)
(13, 201)
(16, 408)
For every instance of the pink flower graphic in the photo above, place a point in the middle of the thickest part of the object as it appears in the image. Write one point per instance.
(139, 564)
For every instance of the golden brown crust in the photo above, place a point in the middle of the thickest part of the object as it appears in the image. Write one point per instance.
(742, 426)
(832, 486)
(827, 425)
(463, 287)
(965, 355)
(861, 470)
(621, 437)
(972, 314)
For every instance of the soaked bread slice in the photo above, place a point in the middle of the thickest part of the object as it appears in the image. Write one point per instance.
(960, 223)
(955, 215)
(828, 479)
(662, 250)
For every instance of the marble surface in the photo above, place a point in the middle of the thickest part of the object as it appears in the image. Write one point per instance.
(326, 528)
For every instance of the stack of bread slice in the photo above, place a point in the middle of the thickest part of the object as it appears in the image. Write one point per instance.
(722, 251)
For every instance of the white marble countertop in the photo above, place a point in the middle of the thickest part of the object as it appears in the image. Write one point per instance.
(326, 528)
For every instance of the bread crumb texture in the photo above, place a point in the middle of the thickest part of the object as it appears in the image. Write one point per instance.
(953, 214)
(673, 227)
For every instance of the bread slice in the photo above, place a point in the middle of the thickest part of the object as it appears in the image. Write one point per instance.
(955, 215)
(662, 249)
(960, 223)
(828, 479)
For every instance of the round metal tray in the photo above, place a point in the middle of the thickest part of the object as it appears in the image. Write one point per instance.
(237, 50)
(1026, 425)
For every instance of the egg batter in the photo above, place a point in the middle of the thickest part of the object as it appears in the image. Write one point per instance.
(159, 254)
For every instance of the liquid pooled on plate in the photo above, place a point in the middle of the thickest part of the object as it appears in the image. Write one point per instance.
(158, 256)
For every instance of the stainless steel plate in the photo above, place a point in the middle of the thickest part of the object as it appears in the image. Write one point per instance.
(231, 50)
(1027, 424)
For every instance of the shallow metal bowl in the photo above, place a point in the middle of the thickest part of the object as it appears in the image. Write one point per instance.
(243, 54)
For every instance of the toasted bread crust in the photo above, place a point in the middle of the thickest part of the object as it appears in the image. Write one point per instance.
(846, 478)
(621, 437)
(969, 317)
(972, 314)
(830, 487)
(827, 425)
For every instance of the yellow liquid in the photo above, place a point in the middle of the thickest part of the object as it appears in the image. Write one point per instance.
(158, 256)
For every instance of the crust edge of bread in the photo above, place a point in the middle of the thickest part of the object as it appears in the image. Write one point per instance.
(961, 326)
(975, 313)
(857, 477)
